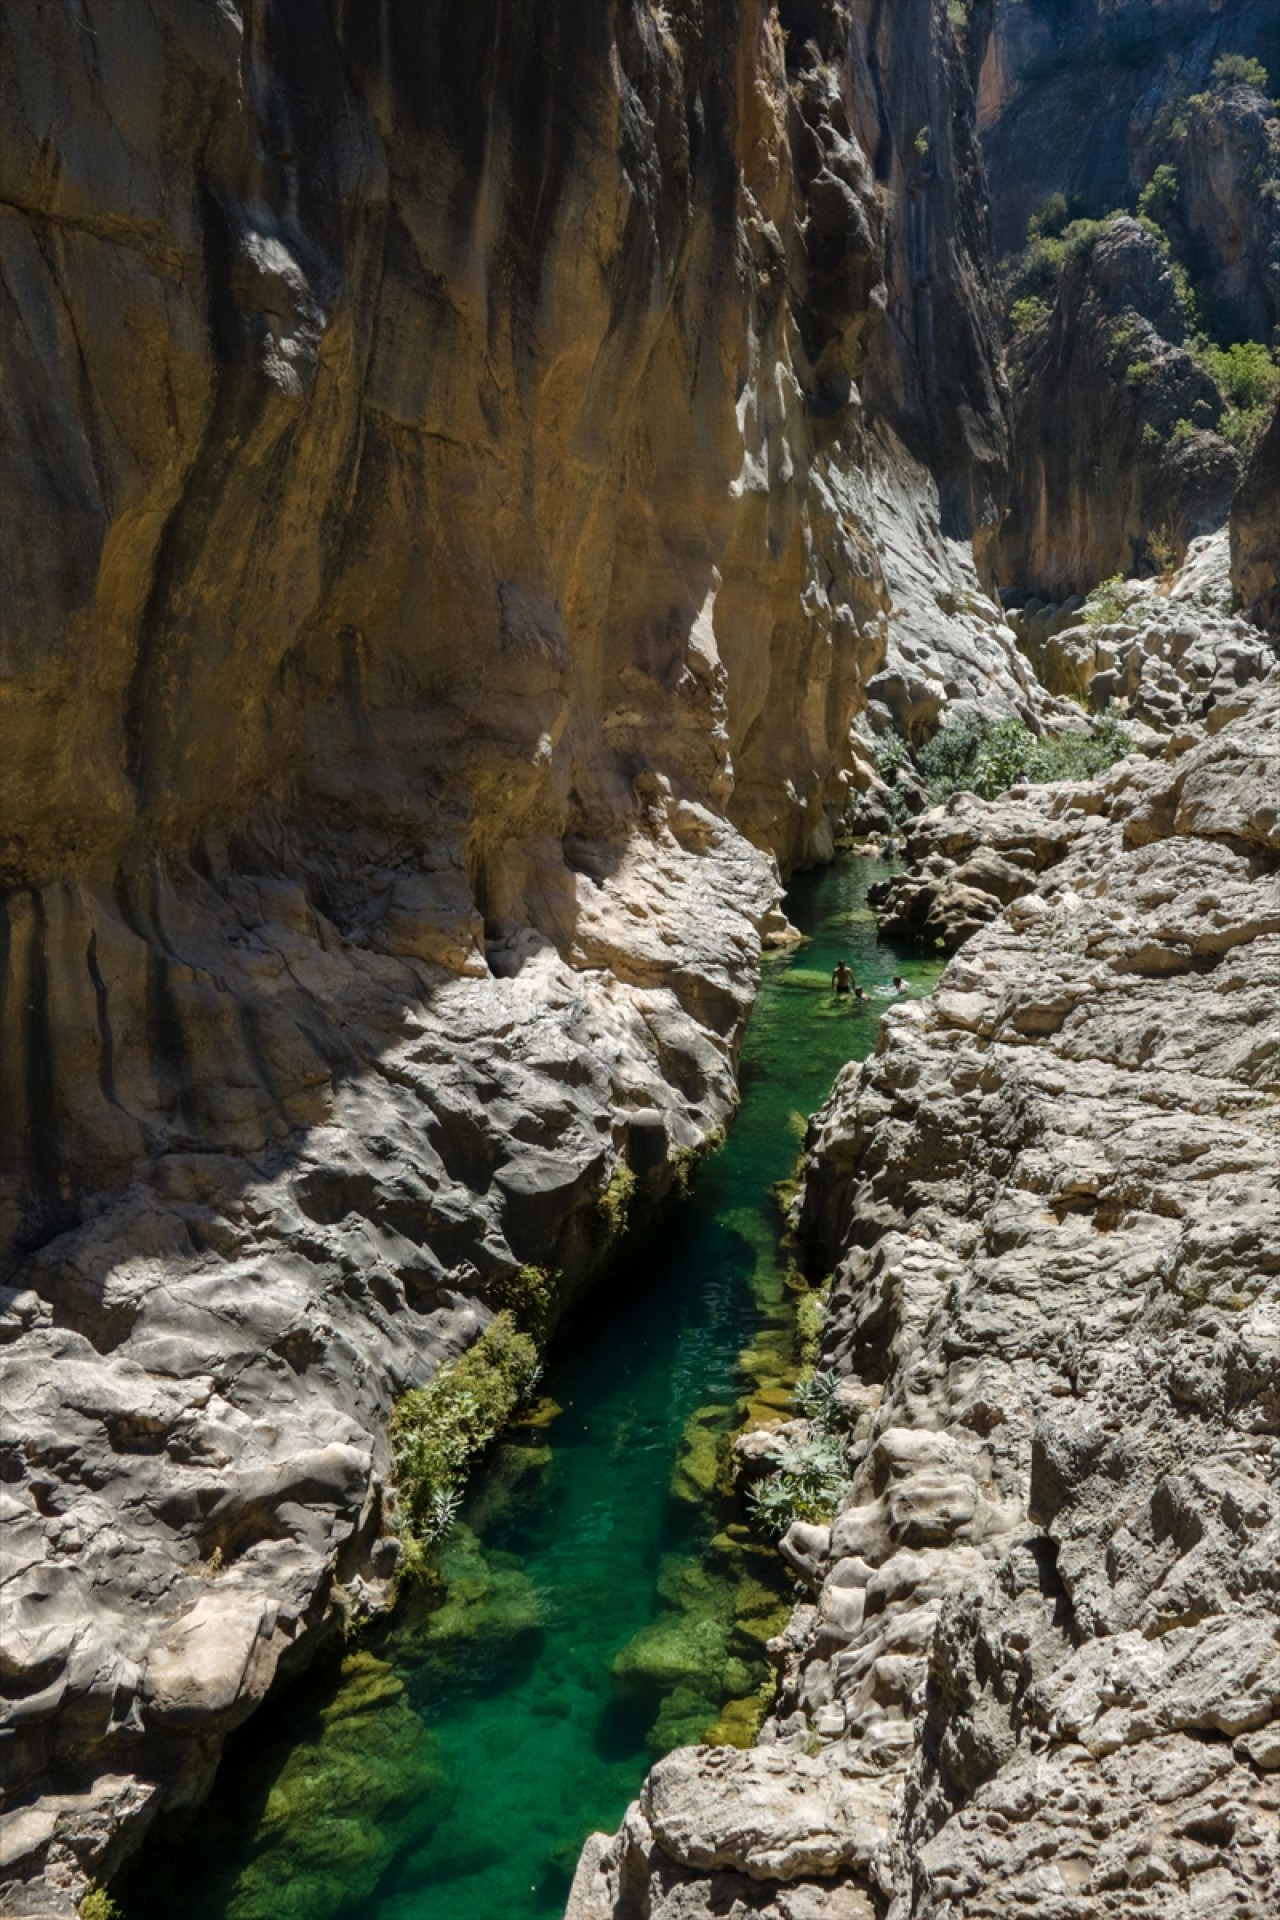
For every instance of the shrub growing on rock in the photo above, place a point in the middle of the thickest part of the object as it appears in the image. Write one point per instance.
(437, 1430)
(615, 1202)
(528, 1294)
(1158, 200)
(808, 1481)
(98, 1905)
(1249, 379)
(1238, 70)
(986, 757)
(1107, 602)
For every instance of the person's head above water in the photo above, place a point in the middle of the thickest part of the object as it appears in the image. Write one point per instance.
(899, 982)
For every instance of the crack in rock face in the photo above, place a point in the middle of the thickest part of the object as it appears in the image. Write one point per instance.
(1040, 1663)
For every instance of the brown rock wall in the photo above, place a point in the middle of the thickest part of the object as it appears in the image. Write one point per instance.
(444, 562)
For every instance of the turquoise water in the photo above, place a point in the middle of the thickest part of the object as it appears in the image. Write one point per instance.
(603, 1600)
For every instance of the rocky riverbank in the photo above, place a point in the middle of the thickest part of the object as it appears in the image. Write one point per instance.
(447, 561)
(471, 468)
(1037, 1662)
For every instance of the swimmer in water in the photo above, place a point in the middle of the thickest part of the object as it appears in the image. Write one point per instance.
(899, 984)
(842, 980)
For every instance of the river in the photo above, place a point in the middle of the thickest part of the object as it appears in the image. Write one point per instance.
(603, 1601)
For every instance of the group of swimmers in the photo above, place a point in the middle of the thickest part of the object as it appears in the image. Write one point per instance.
(843, 982)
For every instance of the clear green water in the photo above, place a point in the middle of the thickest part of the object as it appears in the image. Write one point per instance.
(603, 1600)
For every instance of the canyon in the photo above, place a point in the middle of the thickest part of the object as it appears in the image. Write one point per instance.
(482, 488)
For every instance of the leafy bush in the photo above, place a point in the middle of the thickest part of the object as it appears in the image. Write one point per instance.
(98, 1905)
(1158, 200)
(810, 1477)
(437, 1430)
(1028, 315)
(1047, 256)
(1238, 70)
(1107, 602)
(947, 762)
(1183, 430)
(1053, 216)
(890, 752)
(986, 757)
(528, 1294)
(1249, 380)
(615, 1202)
(815, 1398)
(810, 1313)
(1161, 548)
(1246, 373)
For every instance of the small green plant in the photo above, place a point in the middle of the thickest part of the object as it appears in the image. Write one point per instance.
(1149, 439)
(1139, 374)
(1028, 315)
(1238, 70)
(529, 1295)
(1183, 430)
(1158, 200)
(615, 1202)
(1107, 602)
(921, 143)
(1248, 377)
(437, 1430)
(810, 1476)
(684, 1165)
(98, 1905)
(811, 1312)
(1162, 550)
(1051, 220)
(947, 761)
(890, 752)
(1049, 251)
(815, 1398)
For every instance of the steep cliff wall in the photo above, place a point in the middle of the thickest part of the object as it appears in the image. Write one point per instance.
(1053, 67)
(1116, 458)
(1255, 531)
(1123, 391)
(467, 466)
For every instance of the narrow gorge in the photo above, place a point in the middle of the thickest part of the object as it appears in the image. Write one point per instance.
(507, 511)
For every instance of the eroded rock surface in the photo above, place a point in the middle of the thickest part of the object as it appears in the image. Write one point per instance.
(1041, 1647)
(1172, 657)
(454, 456)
